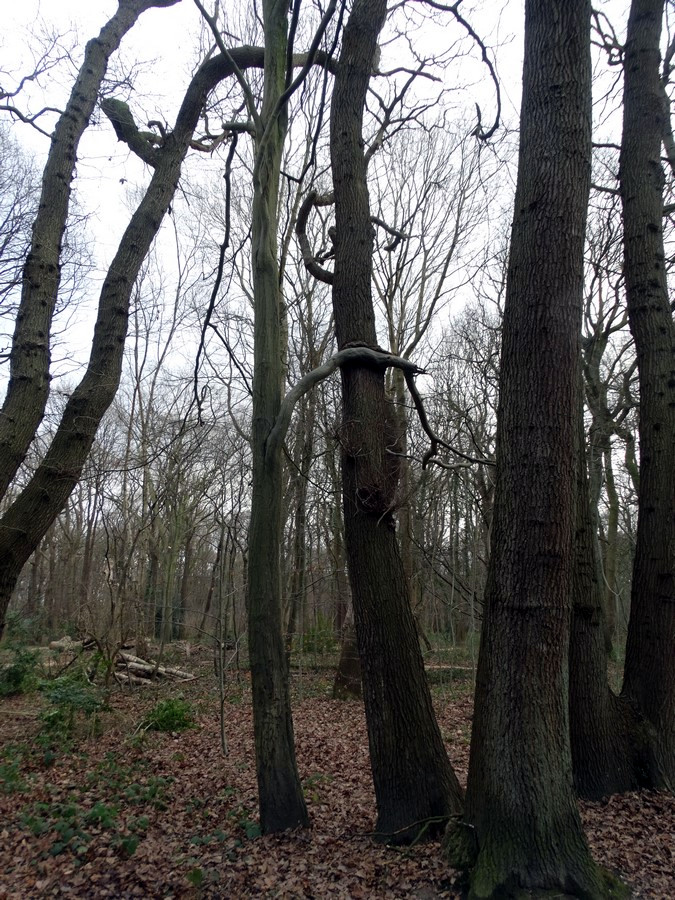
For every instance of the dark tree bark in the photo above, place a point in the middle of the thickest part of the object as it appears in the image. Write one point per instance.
(281, 801)
(27, 519)
(413, 778)
(611, 745)
(649, 681)
(521, 828)
(28, 388)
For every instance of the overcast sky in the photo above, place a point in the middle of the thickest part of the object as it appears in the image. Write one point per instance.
(164, 41)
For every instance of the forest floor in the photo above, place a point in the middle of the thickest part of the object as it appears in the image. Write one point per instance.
(130, 812)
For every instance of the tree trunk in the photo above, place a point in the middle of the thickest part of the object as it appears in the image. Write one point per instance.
(347, 683)
(28, 387)
(302, 461)
(650, 662)
(27, 519)
(413, 778)
(611, 746)
(282, 805)
(521, 828)
(216, 572)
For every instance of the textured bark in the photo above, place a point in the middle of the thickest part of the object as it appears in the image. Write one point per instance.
(612, 750)
(28, 518)
(281, 802)
(28, 387)
(413, 778)
(347, 683)
(650, 662)
(521, 828)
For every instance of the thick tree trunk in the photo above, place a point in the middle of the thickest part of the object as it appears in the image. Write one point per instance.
(413, 778)
(650, 662)
(521, 828)
(281, 802)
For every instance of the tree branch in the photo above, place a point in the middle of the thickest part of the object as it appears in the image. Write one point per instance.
(311, 263)
(219, 274)
(243, 83)
(366, 356)
(454, 9)
(397, 235)
(142, 143)
(436, 441)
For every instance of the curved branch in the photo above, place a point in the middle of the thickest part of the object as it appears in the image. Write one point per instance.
(380, 359)
(365, 356)
(436, 442)
(311, 263)
(454, 9)
(397, 235)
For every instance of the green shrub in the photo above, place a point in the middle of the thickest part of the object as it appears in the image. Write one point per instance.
(174, 714)
(19, 676)
(71, 697)
(70, 824)
(11, 778)
(151, 792)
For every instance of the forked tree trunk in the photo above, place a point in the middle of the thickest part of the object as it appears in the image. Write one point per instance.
(413, 778)
(26, 521)
(29, 359)
(650, 661)
(521, 829)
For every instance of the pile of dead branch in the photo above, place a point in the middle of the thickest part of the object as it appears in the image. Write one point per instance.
(122, 665)
(132, 669)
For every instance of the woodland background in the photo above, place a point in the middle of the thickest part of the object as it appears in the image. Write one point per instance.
(334, 195)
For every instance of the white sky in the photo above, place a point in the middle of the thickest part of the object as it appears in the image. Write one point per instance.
(164, 41)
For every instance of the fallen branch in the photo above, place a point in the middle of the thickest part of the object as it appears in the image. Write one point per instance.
(129, 662)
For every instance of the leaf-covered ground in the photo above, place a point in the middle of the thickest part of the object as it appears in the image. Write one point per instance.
(133, 813)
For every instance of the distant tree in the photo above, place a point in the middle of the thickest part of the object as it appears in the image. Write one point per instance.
(19, 190)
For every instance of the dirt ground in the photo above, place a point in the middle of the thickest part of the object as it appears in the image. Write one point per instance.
(132, 813)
